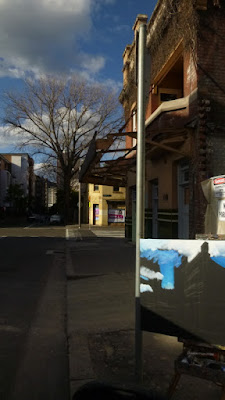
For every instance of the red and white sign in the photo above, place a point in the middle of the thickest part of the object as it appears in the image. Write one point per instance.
(219, 181)
(219, 186)
(116, 215)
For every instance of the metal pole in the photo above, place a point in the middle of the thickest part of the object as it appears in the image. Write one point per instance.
(140, 182)
(79, 206)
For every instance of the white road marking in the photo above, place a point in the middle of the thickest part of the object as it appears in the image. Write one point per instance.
(67, 234)
(108, 233)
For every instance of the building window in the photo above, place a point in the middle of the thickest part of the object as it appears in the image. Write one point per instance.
(96, 188)
(167, 96)
(116, 188)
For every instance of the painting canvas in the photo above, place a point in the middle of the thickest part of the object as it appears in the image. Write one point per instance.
(183, 288)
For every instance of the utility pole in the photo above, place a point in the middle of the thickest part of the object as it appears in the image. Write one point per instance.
(79, 202)
(79, 207)
(140, 197)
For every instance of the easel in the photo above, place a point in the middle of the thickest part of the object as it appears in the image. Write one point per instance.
(200, 360)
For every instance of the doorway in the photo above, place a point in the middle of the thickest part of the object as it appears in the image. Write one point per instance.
(95, 214)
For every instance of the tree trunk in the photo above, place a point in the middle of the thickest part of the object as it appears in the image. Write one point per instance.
(67, 181)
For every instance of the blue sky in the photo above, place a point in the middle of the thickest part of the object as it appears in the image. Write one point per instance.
(84, 37)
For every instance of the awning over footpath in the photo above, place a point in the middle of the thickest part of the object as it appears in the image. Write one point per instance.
(99, 169)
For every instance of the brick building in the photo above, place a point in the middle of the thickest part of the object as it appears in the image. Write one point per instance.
(185, 102)
(184, 121)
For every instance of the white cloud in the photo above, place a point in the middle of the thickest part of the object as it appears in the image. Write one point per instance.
(216, 248)
(145, 288)
(8, 139)
(189, 248)
(42, 37)
(148, 273)
(92, 64)
(39, 166)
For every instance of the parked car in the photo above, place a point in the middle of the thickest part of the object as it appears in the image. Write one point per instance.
(55, 219)
(33, 217)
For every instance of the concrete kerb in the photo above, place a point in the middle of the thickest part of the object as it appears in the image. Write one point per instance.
(74, 234)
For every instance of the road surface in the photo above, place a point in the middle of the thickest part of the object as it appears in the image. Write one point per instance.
(33, 343)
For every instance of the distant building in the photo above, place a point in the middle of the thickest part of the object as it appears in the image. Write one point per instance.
(17, 168)
(5, 179)
(52, 193)
(106, 205)
(22, 171)
(45, 194)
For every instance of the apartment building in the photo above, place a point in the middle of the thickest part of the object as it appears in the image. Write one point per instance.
(22, 171)
(5, 179)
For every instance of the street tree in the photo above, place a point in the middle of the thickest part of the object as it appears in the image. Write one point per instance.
(57, 119)
(15, 197)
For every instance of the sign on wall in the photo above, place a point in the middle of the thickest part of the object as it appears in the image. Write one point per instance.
(116, 215)
(219, 186)
(96, 213)
(182, 288)
(214, 192)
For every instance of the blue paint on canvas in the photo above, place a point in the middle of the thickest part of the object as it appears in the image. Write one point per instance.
(169, 255)
(219, 260)
(167, 261)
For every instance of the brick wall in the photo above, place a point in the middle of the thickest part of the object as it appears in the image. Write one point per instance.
(209, 140)
(211, 83)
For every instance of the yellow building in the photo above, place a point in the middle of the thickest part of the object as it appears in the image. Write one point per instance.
(106, 205)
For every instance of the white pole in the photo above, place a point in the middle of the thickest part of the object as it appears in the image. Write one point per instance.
(140, 183)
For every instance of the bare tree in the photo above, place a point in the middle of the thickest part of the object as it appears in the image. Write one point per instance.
(58, 118)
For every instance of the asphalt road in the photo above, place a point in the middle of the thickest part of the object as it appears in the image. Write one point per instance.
(33, 344)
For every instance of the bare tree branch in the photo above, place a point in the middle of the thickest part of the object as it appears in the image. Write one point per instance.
(57, 118)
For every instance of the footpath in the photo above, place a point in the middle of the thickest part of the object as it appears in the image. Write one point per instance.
(100, 320)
